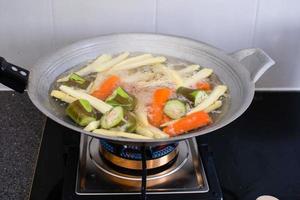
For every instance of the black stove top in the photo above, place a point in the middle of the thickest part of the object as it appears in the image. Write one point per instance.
(258, 154)
(55, 176)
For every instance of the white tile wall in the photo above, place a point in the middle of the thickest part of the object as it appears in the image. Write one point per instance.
(224, 24)
(278, 33)
(25, 30)
(74, 20)
(33, 28)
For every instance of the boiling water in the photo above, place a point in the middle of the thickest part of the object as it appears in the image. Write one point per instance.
(171, 62)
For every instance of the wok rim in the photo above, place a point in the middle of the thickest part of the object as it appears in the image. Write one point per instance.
(248, 96)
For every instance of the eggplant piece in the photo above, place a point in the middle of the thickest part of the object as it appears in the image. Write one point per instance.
(217, 92)
(188, 93)
(121, 98)
(112, 118)
(193, 95)
(81, 112)
(200, 97)
(77, 81)
(129, 123)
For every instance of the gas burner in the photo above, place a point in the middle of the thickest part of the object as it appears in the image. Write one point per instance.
(96, 176)
(129, 156)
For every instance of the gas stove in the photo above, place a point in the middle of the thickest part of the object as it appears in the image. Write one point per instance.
(75, 166)
(254, 156)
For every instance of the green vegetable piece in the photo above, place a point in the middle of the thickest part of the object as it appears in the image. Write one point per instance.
(77, 81)
(175, 108)
(195, 96)
(120, 91)
(86, 105)
(187, 93)
(129, 123)
(188, 106)
(81, 113)
(200, 96)
(112, 118)
(121, 98)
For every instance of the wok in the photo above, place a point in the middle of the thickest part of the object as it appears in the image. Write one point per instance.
(239, 71)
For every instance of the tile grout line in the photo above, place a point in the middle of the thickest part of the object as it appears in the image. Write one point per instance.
(254, 23)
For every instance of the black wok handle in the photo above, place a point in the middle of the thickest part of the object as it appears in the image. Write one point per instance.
(13, 76)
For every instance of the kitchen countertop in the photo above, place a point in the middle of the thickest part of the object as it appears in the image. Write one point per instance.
(20, 136)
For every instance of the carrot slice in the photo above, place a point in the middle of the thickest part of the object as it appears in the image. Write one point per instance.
(203, 86)
(107, 87)
(155, 111)
(187, 123)
(165, 119)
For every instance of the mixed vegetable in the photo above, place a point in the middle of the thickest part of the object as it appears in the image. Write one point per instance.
(140, 97)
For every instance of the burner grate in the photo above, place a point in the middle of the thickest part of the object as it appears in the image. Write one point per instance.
(134, 152)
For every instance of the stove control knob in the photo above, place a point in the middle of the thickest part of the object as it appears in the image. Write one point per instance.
(266, 197)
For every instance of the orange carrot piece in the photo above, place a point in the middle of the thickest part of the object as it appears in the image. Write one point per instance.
(187, 123)
(203, 86)
(107, 87)
(165, 119)
(155, 111)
